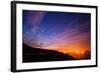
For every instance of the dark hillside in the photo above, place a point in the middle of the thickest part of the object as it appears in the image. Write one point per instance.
(39, 55)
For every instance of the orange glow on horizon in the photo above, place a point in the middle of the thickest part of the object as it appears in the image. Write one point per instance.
(76, 53)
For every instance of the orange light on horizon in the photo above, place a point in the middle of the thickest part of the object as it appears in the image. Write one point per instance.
(77, 53)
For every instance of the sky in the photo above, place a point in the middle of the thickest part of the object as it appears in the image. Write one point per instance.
(65, 32)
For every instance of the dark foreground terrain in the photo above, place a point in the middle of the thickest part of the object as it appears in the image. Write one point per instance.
(40, 55)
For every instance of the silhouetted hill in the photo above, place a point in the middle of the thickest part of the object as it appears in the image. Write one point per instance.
(39, 55)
